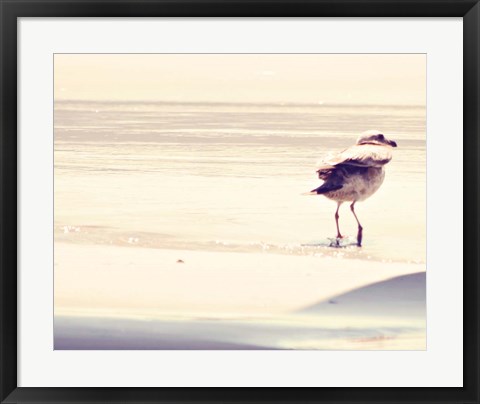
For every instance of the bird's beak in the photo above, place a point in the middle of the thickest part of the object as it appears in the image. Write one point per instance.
(392, 143)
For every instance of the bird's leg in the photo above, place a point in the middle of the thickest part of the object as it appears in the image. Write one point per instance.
(336, 221)
(360, 228)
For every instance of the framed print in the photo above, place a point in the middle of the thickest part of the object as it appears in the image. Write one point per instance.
(265, 195)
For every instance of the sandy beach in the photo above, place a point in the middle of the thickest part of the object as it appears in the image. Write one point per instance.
(110, 297)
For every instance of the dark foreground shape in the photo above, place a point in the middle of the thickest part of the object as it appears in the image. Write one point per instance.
(402, 296)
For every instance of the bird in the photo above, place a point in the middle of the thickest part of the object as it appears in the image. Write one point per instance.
(355, 174)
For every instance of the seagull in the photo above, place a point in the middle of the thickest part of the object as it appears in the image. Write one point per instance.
(355, 174)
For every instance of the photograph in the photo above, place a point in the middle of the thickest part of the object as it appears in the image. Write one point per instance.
(240, 201)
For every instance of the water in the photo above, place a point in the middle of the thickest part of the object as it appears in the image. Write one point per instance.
(229, 177)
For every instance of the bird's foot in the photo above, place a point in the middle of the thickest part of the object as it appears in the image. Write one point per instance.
(338, 239)
(342, 242)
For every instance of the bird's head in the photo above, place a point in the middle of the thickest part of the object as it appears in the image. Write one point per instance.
(375, 137)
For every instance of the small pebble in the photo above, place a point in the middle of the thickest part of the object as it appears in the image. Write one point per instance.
(180, 262)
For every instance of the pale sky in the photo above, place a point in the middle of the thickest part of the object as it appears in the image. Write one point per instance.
(312, 79)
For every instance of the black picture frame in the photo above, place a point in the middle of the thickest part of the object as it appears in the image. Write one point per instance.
(10, 10)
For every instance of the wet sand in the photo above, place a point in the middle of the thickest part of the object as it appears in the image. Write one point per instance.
(109, 297)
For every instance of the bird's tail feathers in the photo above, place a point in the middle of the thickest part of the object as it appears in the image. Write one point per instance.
(324, 188)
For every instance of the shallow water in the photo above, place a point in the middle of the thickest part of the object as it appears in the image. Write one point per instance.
(230, 177)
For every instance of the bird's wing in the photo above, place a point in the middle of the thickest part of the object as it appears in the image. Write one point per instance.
(362, 156)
